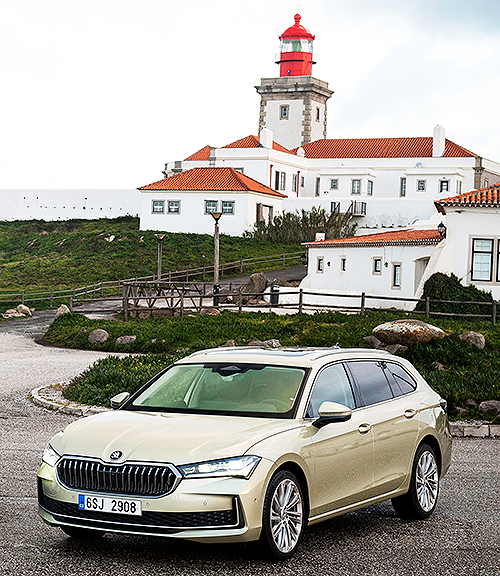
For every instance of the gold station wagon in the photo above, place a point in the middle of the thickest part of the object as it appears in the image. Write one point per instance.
(243, 444)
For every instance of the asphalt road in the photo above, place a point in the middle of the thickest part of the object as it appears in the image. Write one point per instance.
(461, 538)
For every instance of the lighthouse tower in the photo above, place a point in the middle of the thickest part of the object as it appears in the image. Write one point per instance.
(293, 106)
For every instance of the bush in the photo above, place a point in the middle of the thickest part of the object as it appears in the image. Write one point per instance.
(443, 287)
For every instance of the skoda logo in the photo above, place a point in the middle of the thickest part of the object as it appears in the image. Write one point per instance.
(116, 455)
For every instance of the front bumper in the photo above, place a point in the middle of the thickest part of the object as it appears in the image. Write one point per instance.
(203, 510)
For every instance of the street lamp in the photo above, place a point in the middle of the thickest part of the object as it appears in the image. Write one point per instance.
(442, 230)
(160, 238)
(216, 216)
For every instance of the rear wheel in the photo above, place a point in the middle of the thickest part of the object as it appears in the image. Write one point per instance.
(421, 499)
(283, 518)
(82, 533)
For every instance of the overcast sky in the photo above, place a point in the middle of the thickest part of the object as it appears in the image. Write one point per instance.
(101, 93)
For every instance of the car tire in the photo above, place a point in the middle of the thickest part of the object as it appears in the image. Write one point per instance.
(283, 517)
(82, 533)
(421, 499)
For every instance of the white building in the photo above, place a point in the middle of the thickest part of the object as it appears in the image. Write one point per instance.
(184, 202)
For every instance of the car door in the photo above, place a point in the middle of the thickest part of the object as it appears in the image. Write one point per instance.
(391, 414)
(342, 451)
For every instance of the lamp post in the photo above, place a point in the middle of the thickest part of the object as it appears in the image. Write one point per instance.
(160, 238)
(216, 216)
(442, 230)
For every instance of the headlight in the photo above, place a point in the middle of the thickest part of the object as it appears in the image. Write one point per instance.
(241, 467)
(50, 456)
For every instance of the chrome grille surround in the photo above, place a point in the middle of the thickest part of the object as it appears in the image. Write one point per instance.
(150, 479)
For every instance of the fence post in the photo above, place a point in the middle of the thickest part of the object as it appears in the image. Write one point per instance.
(74, 292)
(301, 299)
(85, 292)
(51, 298)
(363, 302)
(102, 289)
(284, 259)
(427, 307)
(240, 303)
(170, 276)
(71, 303)
(119, 287)
(125, 302)
(204, 272)
(22, 298)
(494, 312)
(222, 270)
(241, 265)
(182, 304)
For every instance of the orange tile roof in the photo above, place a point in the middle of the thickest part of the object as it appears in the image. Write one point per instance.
(484, 198)
(395, 238)
(202, 154)
(253, 142)
(380, 148)
(213, 179)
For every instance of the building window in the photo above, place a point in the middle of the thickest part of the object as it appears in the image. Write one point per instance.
(334, 184)
(302, 181)
(459, 186)
(320, 265)
(228, 206)
(402, 187)
(356, 187)
(318, 114)
(444, 185)
(284, 110)
(377, 266)
(264, 213)
(396, 275)
(294, 182)
(335, 207)
(421, 185)
(283, 180)
(318, 186)
(158, 207)
(174, 206)
(482, 259)
(211, 206)
(277, 180)
(486, 183)
(369, 189)
(240, 170)
(343, 264)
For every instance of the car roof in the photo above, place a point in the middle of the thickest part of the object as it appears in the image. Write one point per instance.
(288, 356)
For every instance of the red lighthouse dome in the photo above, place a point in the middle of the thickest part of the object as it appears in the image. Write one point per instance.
(296, 50)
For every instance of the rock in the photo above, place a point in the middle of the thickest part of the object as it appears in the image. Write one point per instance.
(12, 311)
(63, 309)
(393, 348)
(209, 311)
(407, 332)
(98, 336)
(489, 405)
(256, 285)
(125, 340)
(273, 343)
(372, 341)
(473, 339)
(228, 344)
(438, 366)
(461, 411)
(471, 402)
(22, 309)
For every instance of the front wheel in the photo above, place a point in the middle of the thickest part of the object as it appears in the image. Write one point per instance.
(283, 517)
(421, 499)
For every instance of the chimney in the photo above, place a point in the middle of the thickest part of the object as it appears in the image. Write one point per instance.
(438, 142)
(266, 138)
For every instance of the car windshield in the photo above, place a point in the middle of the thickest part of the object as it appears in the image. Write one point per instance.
(250, 389)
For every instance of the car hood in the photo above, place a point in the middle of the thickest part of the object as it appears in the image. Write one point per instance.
(175, 438)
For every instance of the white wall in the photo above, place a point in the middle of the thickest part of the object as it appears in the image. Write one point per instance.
(67, 204)
(192, 217)
(286, 132)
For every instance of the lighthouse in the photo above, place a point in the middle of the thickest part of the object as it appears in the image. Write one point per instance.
(293, 106)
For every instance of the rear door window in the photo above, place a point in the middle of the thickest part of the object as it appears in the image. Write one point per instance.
(371, 381)
(401, 382)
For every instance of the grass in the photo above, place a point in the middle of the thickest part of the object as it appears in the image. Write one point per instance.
(468, 372)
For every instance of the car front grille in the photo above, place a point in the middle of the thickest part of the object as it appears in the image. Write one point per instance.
(131, 478)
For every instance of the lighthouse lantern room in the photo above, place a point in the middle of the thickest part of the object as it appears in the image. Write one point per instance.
(296, 50)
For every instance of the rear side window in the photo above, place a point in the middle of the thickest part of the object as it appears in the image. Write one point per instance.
(332, 385)
(401, 382)
(371, 381)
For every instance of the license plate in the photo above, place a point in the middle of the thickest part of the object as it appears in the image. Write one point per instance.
(113, 505)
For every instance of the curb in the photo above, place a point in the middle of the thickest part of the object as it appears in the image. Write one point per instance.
(51, 398)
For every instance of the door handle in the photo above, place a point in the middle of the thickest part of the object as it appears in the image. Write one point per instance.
(364, 428)
(410, 413)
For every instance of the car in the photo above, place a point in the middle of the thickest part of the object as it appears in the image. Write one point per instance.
(251, 444)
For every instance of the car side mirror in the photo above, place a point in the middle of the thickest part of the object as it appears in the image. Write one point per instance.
(330, 412)
(119, 400)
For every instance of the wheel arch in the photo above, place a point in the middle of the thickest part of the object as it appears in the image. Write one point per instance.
(299, 473)
(433, 442)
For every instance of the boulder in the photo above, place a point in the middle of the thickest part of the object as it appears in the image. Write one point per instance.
(209, 311)
(489, 405)
(63, 309)
(22, 309)
(256, 285)
(273, 343)
(394, 348)
(473, 339)
(228, 344)
(471, 402)
(98, 336)
(372, 341)
(461, 411)
(125, 340)
(407, 332)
